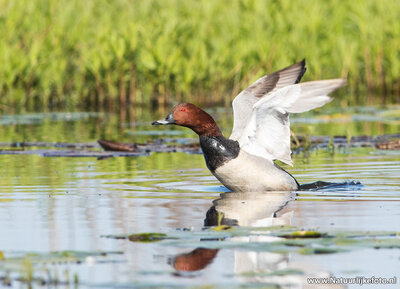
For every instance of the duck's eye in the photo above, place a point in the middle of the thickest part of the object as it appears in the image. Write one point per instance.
(183, 109)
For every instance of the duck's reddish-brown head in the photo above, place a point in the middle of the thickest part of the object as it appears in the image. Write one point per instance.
(189, 115)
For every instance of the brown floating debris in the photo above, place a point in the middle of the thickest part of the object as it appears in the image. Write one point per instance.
(389, 141)
(118, 149)
(111, 148)
(108, 145)
(158, 146)
(390, 145)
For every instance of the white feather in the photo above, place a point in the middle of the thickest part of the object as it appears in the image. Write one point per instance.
(266, 131)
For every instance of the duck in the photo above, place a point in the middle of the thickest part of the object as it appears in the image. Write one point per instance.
(245, 162)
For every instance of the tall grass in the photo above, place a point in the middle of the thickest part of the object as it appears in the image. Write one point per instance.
(101, 53)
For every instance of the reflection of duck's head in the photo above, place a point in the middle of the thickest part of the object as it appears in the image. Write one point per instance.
(249, 209)
(195, 260)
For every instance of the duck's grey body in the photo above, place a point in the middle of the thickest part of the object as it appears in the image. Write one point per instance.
(240, 171)
(249, 173)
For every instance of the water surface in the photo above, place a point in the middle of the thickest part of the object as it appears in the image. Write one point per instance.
(59, 204)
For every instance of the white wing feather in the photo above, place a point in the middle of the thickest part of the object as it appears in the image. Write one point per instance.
(244, 101)
(267, 132)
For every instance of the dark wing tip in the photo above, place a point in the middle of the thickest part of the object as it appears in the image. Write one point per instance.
(302, 70)
(281, 78)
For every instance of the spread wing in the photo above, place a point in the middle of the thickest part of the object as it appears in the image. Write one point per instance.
(267, 132)
(243, 102)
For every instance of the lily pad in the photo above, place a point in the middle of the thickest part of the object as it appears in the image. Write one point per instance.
(147, 237)
(317, 251)
(303, 234)
(277, 239)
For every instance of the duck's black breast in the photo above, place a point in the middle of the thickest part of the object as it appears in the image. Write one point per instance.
(217, 150)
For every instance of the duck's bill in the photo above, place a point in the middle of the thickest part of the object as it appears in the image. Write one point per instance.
(160, 122)
(168, 120)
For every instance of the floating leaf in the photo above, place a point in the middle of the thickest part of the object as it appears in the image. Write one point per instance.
(147, 237)
(303, 234)
(316, 251)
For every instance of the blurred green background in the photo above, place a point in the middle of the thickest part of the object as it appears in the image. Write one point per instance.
(105, 55)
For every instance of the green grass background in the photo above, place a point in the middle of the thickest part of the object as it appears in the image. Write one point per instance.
(100, 54)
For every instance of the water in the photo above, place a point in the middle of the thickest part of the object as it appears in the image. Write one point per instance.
(70, 204)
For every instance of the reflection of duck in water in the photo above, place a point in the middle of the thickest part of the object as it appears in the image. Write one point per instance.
(237, 209)
(252, 209)
(261, 130)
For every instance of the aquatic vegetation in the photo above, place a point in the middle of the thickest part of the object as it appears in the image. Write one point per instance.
(303, 234)
(43, 268)
(102, 54)
(141, 237)
(288, 239)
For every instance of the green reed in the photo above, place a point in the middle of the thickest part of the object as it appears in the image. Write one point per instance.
(103, 54)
